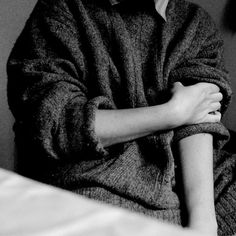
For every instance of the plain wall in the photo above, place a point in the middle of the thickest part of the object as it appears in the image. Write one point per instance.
(13, 14)
(216, 8)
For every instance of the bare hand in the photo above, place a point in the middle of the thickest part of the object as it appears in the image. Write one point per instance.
(197, 103)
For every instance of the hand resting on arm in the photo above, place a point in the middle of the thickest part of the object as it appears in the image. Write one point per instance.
(189, 105)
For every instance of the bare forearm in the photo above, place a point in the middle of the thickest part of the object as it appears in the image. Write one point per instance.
(196, 154)
(116, 126)
(188, 105)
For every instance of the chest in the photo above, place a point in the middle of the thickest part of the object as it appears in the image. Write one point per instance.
(126, 54)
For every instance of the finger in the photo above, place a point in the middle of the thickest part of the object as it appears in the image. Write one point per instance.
(214, 117)
(209, 87)
(214, 88)
(216, 97)
(214, 106)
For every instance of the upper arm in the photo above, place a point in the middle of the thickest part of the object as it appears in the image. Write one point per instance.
(48, 83)
(203, 61)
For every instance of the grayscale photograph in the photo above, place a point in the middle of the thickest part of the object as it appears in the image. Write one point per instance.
(118, 117)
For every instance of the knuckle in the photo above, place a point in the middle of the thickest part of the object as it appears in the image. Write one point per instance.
(203, 93)
(215, 87)
(204, 84)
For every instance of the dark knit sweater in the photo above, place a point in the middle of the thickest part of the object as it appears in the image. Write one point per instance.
(76, 56)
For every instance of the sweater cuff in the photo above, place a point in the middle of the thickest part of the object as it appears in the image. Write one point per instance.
(218, 130)
(93, 143)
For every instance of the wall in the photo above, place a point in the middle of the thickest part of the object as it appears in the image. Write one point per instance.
(217, 9)
(13, 14)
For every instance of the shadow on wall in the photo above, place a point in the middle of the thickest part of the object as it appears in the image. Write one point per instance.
(229, 16)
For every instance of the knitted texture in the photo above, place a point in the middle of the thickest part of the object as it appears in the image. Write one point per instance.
(76, 56)
(225, 193)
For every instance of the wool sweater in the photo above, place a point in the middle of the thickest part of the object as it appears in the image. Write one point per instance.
(76, 56)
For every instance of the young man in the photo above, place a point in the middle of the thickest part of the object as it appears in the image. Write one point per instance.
(89, 86)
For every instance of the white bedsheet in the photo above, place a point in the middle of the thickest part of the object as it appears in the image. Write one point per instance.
(29, 208)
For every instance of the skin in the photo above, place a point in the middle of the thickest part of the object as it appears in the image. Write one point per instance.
(189, 105)
(196, 156)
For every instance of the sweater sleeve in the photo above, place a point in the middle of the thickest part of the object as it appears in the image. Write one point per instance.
(48, 84)
(206, 66)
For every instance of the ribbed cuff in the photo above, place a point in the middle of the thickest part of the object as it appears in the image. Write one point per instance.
(92, 140)
(218, 130)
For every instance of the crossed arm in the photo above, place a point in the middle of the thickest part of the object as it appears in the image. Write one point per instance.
(196, 151)
(52, 93)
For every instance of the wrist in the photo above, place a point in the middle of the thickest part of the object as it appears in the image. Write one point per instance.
(176, 115)
(161, 117)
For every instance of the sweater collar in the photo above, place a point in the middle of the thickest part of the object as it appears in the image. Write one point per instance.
(160, 6)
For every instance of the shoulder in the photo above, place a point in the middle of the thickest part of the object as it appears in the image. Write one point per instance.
(184, 12)
(53, 5)
(58, 6)
(68, 4)
(71, 9)
(63, 11)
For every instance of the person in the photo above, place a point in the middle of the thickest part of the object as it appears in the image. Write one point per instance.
(120, 101)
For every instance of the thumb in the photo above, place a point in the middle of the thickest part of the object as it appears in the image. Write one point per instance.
(178, 84)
